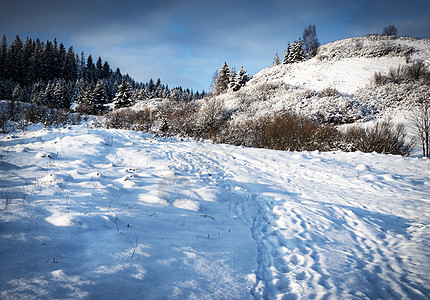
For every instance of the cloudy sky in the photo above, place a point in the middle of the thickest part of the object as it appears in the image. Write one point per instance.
(183, 42)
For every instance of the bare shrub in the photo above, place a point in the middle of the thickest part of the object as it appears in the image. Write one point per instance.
(380, 79)
(421, 118)
(293, 133)
(48, 116)
(128, 118)
(397, 75)
(383, 137)
(330, 92)
(416, 71)
(181, 118)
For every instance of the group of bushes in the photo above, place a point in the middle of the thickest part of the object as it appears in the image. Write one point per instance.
(15, 113)
(416, 72)
(210, 119)
(282, 132)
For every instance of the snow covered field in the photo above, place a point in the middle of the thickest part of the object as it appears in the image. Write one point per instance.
(112, 214)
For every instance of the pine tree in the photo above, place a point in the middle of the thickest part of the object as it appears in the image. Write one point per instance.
(99, 68)
(232, 81)
(86, 101)
(3, 57)
(276, 60)
(151, 89)
(70, 68)
(158, 90)
(294, 53)
(106, 71)
(242, 78)
(222, 81)
(37, 93)
(48, 95)
(60, 95)
(99, 96)
(17, 94)
(287, 54)
(123, 96)
(90, 70)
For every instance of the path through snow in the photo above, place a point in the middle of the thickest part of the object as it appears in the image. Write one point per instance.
(89, 213)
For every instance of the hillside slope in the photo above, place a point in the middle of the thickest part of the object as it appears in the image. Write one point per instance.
(348, 66)
(107, 214)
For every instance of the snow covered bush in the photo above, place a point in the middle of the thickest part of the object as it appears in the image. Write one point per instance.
(211, 116)
(416, 72)
(128, 118)
(180, 116)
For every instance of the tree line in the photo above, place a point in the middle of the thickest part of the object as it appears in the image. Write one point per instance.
(45, 73)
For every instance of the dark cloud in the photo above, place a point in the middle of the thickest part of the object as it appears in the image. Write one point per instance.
(183, 42)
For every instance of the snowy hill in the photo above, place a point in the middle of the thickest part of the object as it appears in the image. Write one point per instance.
(348, 66)
(113, 214)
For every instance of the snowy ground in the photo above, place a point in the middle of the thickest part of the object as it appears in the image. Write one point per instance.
(112, 214)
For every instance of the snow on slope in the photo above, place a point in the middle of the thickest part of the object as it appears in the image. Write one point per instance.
(347, 65)
(108, 214)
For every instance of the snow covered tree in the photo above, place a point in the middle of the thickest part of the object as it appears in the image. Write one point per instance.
(294, 53)
(99, 95)
(17, 94)
(86, 103)
(242, 78)
(222, 81)
(123, 96)
(60, 95)
(276, 60)
(37, 92)
(232, 81)
(310, 41)
(48, 95)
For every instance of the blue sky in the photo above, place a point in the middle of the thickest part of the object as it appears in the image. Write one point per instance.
(184, 42)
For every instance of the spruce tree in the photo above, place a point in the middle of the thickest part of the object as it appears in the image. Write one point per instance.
(48, 95)
(223, 79)
(242, 78)
(60, 95)
(86, 101)
(287, 54)
(99, 68)
(37, 93)
(17, 94)
(276, 60)
(3, 57)
(232, 82)
(123, 96)
(99, 96)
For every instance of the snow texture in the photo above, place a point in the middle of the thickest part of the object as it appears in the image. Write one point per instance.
(111, 214)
